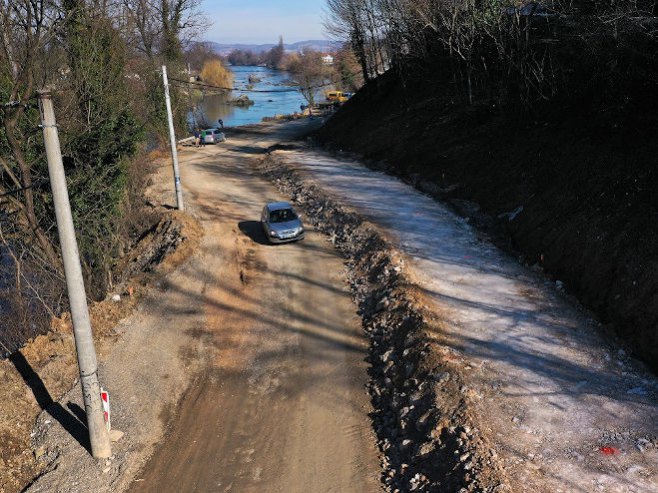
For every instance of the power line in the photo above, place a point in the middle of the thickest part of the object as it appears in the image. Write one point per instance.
(202, 84)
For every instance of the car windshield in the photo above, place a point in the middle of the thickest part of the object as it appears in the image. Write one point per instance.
(282, 216)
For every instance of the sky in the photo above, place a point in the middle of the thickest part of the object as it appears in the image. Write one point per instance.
(262, 21)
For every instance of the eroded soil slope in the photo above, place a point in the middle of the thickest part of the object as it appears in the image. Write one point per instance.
(36, 377)
(576, 193)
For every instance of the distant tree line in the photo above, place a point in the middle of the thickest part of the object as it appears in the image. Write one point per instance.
(306, 65)
(244, 57)
(271, 58)
(102, 59)
(506, 51)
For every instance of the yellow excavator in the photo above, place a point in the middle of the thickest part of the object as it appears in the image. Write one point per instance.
(337, 96)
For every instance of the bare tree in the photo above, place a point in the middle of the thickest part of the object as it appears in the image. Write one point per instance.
(199, 53)
(309, 72)
(27, 27)
(345, 22)
(163, 27)
(30, 279)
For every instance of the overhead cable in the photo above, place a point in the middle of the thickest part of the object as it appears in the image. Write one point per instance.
(202, 84)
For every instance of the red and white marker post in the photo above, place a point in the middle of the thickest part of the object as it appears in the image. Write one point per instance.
(105, 397)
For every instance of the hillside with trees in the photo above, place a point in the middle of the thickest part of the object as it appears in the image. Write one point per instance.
(534, 120)
(102, 60)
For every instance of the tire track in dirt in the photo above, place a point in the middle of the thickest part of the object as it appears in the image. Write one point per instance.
(281, 404)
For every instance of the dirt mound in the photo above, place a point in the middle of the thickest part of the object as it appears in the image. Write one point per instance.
(573, 194)
(165, 244)
(422, 408)
(40, 373)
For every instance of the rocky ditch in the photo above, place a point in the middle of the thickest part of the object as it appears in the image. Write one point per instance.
(422, 410)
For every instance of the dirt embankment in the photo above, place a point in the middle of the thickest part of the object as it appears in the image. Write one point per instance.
(574, 194)
(422, 417)
(34, 378)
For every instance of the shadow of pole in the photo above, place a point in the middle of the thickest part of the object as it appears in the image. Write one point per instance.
(73, 422)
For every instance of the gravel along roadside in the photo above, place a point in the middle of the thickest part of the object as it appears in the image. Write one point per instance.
(422, 418)
(513, 374)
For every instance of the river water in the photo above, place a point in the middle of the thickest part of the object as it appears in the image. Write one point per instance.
(283, 99)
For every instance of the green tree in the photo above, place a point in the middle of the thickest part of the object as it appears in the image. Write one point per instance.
(101, 138)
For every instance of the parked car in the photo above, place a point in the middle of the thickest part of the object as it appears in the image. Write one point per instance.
(281, 223)
(212, 136)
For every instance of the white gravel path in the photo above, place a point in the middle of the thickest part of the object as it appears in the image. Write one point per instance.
(553, 393)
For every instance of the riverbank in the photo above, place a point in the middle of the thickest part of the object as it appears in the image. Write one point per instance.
(271, 95)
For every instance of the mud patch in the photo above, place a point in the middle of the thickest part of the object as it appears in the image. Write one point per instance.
(247, 259)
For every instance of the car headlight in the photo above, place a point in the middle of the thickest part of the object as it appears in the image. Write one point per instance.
(273, 233)
(300, 230)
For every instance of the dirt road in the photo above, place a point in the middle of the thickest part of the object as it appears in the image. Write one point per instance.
(281, 403)
(484, 376)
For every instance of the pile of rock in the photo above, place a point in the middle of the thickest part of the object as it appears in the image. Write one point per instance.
(242, 100)
(288, 117)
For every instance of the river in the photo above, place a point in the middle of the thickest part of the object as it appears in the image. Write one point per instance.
(283, 99)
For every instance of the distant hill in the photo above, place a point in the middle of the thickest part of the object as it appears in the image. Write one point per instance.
(314, 44)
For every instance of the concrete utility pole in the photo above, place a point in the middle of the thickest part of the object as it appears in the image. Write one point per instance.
(84, 341)
(172, 136)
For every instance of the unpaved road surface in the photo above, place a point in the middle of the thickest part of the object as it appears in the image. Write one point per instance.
(241, 371)
(566, 411)
(280, 405)
(269, 339)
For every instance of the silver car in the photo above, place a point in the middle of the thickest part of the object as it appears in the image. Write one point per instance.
(281, 223)
(212, 136)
